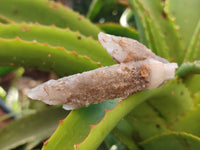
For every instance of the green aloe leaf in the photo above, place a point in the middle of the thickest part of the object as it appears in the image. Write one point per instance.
(189, 72)
(111, 142)
(123, 131)
(189, 122)
(55, 59)
(193, 51)
(154, 116)
(172, 141)
(196, 99)
(149, 32)
(27, 128)
(192, 83)
(99, 10)
(35, 142)
(187, 69)
(25, 10)
(141, 123)
(99, 131)
(156, 40)
(75, 128)
(162, 22)
(186, 17)
(94, 9)
(117, 29)
(70, 40)
(172, 101)
(112, 117)
(165, 108)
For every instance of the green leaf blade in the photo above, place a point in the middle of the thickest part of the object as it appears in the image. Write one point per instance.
(54, 59)
(20, 10)
(72, 41)
(23, 130)
(172, 141)
(186, 15)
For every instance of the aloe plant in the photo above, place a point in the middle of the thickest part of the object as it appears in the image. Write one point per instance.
(56, 39)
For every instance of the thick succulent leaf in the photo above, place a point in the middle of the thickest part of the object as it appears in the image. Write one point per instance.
(35, 142)
(55, 59)
(117, 29)
(186, 16)
(192, 83)
(123, 131)
(156, 40)
(196, 99)
(27, 128)
(169, 102)
(72, 41)
(144, 123)
(99, 10)
(94, 9)
(112, 117)
(189, 122)
(172, 101)
(163, 103)
(25, 10)
(189, 72)
(187, 69)
(163, 23)
(75, 128)
(94, 131)
(152, 37)
(111, 142)
(193, 51)
(172, 141)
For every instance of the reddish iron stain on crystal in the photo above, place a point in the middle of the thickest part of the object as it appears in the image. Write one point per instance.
(145, 71)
